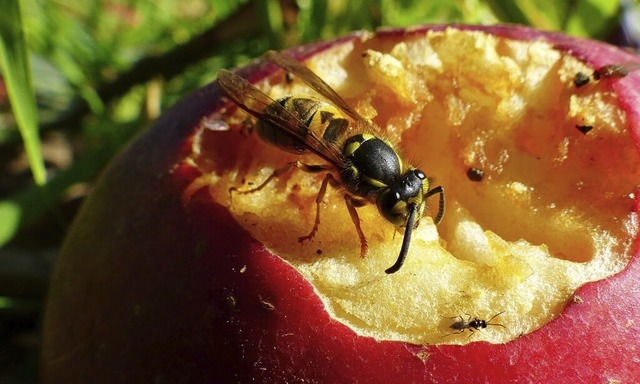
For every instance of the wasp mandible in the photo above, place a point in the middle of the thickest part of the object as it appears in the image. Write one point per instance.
(358, 160)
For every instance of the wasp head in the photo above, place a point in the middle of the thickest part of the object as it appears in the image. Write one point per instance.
(402, 204)
(402, 197)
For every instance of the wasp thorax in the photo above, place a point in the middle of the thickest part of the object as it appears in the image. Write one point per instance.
(394, 204)
(373, 164)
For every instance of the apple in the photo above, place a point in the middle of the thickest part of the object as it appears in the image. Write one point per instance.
(167, 276)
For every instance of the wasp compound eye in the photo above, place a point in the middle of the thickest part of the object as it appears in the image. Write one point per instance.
(392, 207)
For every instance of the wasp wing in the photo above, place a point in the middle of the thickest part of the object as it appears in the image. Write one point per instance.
(263, 107)
(317, 84)
(615, 71)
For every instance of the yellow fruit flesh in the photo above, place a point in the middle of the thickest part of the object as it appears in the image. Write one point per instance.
(552, 212)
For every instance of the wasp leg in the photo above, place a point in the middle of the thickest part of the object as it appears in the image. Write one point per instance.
(472, 333)
(329, 179)
(432, 192)
(452, 333)
(277, 173)
(351, 206)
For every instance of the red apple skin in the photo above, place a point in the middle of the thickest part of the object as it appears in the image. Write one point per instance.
(147, 290)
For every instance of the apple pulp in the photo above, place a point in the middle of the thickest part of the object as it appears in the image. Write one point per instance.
(183, 291)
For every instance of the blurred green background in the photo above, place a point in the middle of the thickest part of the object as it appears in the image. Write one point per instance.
(79, 79)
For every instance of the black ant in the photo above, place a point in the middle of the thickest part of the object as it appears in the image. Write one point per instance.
(461, 325)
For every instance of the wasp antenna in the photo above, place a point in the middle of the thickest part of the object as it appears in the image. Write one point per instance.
(406, 241)
(493, 317)
(439, 189)
(496, 315)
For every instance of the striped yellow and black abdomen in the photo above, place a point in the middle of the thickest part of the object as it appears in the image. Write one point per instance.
(321, 118)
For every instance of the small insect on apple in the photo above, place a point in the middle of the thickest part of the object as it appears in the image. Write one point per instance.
(610, 71)
(461, 325)
(367, 166)
(475, 174)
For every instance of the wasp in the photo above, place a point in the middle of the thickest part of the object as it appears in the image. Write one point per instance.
(356, 158)
(615, 71)
(461, 325)
(609, 71)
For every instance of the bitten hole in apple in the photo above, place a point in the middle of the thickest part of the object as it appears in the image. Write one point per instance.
(554, 208)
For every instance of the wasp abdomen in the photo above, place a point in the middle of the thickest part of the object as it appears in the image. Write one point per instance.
(323, 119)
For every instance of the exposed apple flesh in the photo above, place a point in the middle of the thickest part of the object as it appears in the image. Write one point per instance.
(183, 291)
(552, 212)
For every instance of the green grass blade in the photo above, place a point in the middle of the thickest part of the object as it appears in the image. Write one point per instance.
(272, 21)
(31, 202)
(592, 18)
(17, 73)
